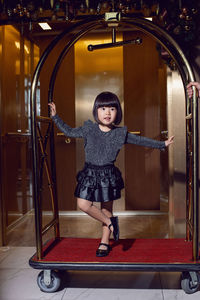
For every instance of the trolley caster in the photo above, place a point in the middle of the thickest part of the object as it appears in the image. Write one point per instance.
(190, 282)
(48, 281)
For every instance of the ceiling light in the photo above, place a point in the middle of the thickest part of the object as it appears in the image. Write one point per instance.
(45, 26)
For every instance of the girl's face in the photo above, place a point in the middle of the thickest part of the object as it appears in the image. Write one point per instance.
(107, 115)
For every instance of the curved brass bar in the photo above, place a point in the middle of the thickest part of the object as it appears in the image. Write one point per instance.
(195, 177)
(167, 42)
(36, 185)
(64, 52)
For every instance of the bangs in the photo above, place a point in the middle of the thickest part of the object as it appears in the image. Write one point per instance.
(106, 99)
(107, 103)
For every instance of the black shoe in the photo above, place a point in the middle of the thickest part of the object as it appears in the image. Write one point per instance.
(103, 252)
(114, 223)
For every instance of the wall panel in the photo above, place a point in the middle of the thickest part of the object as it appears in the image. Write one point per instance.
(16, 180)
(142, 113)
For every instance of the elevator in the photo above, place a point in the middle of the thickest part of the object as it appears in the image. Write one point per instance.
(144, 113)
(146, 79)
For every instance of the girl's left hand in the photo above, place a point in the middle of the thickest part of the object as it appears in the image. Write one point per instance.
(169, 141)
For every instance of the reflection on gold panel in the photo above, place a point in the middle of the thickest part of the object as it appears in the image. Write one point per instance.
(11, 61)
(36, 56)
(177, 158)
(27, 57)
(104, 60)
(15, 115)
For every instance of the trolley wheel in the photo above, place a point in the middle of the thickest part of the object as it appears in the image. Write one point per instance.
(54, 284)
(188, 285)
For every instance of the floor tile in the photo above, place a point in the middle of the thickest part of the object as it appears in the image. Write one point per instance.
(21, 284)
(4, 252)
(171, 286)
(179, 295)
(112, 294)
(170, 280)
(17, 257)
(112, 285)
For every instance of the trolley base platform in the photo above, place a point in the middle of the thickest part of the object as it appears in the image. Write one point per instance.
(126, 255)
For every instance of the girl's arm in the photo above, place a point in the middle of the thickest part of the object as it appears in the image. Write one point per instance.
(66, 129)
(147, 142)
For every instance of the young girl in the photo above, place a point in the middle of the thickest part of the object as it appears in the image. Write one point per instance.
(100, 180)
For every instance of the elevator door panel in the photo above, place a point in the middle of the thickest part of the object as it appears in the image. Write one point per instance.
(142, 110)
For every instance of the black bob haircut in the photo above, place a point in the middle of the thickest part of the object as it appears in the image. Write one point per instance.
(107, 99)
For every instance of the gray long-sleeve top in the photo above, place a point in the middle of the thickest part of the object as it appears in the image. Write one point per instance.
(102, 148)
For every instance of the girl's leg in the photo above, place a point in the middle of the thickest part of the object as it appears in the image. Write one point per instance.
(93, 211)
(106, 208)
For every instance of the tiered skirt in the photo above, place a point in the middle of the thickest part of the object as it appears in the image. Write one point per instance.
(99, 183)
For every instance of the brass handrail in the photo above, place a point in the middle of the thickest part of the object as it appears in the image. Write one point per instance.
(49, 225)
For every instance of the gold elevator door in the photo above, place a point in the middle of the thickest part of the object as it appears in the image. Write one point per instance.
(137, 75)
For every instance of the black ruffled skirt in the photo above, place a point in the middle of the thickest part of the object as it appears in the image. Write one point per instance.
(99, 183)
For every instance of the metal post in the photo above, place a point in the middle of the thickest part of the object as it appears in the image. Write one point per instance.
(195, 178)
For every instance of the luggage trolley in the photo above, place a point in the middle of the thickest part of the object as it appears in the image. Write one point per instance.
(166, 254)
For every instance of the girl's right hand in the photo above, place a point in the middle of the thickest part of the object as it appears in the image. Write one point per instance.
(169, 141)
(52, 108)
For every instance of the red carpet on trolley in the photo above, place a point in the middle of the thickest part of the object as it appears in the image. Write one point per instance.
(124, 250)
